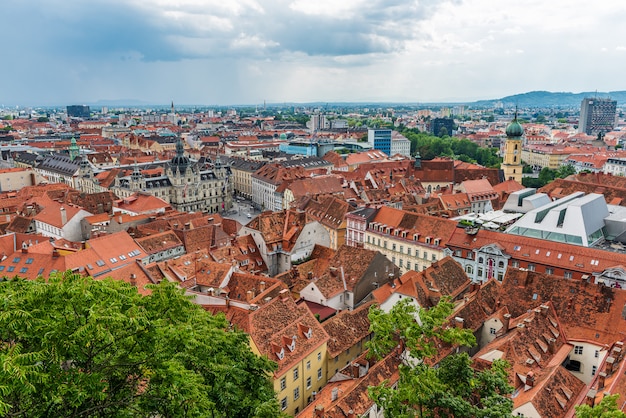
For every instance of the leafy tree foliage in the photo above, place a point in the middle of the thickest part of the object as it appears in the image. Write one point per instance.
(453, 388)
(77, 347)
(546, 175)
(607, 408)
(430, 146)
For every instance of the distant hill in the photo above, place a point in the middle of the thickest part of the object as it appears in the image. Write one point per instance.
(546, 98)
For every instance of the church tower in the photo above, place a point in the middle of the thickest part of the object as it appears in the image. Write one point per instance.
(74, 149)
(512, 164)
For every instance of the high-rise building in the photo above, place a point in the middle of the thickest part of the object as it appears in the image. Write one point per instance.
(78, 111)
(597, 115)
(380, 139)
(442, 126)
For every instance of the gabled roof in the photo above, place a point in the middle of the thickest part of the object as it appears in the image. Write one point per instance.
(273, 326)
(535, 346)
(159, 242)
(347, 328)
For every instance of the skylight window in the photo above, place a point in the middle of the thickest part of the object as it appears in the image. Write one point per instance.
(100, 263)
(17, 259)
(29, 260)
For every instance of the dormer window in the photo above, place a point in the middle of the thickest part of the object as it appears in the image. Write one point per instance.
(309, 333)
(281, 354)
(292, 346)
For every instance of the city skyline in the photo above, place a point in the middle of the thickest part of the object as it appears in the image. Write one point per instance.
(250, 52)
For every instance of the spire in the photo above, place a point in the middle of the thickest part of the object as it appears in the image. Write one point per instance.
(74, 149)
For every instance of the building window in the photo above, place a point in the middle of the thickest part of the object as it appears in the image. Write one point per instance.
(492, 331)
(296, 374)
(594, 369)
(283, 404)
(408, 251)
(308, 365)
(283, 383)
(567, 274)
(402, 248)
(597, 354)
(308, 382)
(393, 247)
(319, 373)
(425, 255)
(296, 393)
(515, 264)
(578, 349)
(480, 272)
(408, 265)
(434, 257)
(531, 267)
(319, 356)
(549, 270)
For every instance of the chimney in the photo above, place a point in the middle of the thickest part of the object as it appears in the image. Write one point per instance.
(227, 301)
(319, 411)
(544, 310)
(601, 378)
(249, 295)
(617, 352)
(310, 275)
(24, 247)
(55, 253)
(610, 363)
(119, 219)
(458, 322)
(133, 279)
(351, 414)
(530, 379)
(552, 345)
(334, 394)
(590, 399)
(63, 216)
(284, 294)
(506, 319)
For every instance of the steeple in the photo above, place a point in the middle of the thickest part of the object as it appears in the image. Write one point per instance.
(512, 158)
(180, 162)
(74, 149)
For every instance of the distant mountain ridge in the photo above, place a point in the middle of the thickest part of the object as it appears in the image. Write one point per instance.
(546, 98)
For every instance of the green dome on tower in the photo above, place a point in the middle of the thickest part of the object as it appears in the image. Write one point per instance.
(283, 136)
(514, 129)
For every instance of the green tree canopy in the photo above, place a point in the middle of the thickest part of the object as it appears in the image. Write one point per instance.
(453, 388)
(77, 347)
(607, 408)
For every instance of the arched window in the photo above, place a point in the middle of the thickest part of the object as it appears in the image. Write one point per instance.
(500, 264)
(469, 269)
(480, 260)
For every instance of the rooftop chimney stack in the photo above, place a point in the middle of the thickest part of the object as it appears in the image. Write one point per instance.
(506, 319)
(63, 216)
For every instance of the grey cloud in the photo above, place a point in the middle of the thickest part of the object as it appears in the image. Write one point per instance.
(118, 28)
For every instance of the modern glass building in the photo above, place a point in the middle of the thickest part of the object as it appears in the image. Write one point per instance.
(380, 139)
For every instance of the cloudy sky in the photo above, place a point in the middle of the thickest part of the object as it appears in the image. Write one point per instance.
(221, 52)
